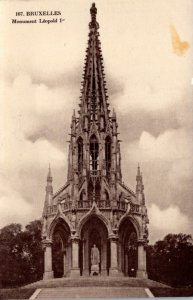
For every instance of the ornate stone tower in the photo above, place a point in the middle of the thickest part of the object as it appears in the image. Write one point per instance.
(94, 207)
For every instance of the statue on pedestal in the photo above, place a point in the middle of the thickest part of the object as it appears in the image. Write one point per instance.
(95, 260)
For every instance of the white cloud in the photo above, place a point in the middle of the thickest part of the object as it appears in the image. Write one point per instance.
(23, 112)
(137, 52)
(172, 146)
(23, 106)
(168, 220)
(13, 207)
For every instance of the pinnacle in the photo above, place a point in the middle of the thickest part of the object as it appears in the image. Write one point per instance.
(93, 85)
(93, 12)
(138, 170)
(49, 173)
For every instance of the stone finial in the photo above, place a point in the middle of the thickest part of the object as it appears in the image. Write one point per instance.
(49, 177)
(93, 11)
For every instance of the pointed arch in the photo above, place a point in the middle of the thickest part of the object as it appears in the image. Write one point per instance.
(59, 233)
(89, 215)
(133, 221)
(82, 198)
(129, 248)
(94, 154)
(58, 221)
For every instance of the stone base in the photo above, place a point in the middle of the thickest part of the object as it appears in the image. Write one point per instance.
(75, 272)
(48, 275)
(104, 272)
(141, 274)
(85, 273)
(114, 272)
(94, 270)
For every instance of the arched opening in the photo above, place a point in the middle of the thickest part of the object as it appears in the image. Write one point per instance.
(94, 155)
(94, 232)
(108, 155)
(82, 199)
(80, 154)
(60, 249)
(128, 249)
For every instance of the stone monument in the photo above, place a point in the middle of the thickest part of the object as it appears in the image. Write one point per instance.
(95, 260)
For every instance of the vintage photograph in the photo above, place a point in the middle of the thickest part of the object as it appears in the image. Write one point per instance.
(96, 149)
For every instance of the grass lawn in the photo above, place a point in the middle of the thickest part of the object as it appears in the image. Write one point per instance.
(16, 293)
(172, 292)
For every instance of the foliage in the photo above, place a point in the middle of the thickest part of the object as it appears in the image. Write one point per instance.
(21, 255)
(171, 260)
(171, 292)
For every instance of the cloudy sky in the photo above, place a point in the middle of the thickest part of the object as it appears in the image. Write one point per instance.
(147, 48)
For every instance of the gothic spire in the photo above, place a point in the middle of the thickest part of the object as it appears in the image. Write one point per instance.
(49, 177)
(49, 192)
(94, 106)
(49, 188)
(140, 186)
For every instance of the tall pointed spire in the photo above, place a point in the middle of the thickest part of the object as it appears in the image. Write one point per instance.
(49, 177)
(94, 106)
(140, 186)
(49, 192)
(49, 188)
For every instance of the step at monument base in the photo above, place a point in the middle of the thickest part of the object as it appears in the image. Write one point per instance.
(92, 282)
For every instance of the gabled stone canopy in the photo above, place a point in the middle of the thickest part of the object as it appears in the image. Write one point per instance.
(94, 187)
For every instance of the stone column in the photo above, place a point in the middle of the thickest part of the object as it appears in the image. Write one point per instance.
(84, 257)
(141, 271)
(103, 258)
(48, 273)
(75, 270)
(68, 258)
(126, 264)
(119, 257)
(64, 263)
(114, 259)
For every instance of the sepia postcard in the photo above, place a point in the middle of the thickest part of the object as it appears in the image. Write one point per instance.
(96, 149)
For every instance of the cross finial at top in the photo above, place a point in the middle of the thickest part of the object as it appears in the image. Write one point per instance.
(93, 11)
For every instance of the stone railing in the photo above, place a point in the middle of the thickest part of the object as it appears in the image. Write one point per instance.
(66, 205)
(87, 204)
(51, 209)
(134, 208)
(121, 205)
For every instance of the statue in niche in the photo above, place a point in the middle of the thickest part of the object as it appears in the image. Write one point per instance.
(95, 260)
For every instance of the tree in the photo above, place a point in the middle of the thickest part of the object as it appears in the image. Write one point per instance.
(32, 236)
(171, 260)
(21, 254)
(10, 254)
